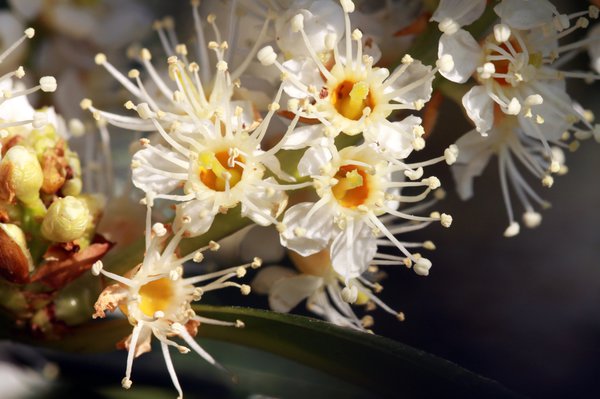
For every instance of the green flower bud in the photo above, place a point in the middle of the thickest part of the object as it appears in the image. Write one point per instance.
(24, 173)
(66, 220)
(72, 186)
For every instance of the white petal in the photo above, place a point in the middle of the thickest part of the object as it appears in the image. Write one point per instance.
(149, 180)
(268, 276)
(461, 12)
(320, 19)
(394, 138)
(199, 213)
(525, 14)
(474, 152)
(480, 108)
(465, 52)
(594, 48)
(353, 249)
(306, 71)
(415, 71)
(313, 159)
(306, 235)
(287, 293)
(303, 137)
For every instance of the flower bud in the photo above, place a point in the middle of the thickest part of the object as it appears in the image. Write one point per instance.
(66, 220)
(23, 172)
(15, 259)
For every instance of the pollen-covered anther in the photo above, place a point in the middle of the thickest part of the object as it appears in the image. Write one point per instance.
(297, 23)
(129, 105)
(85, 104)
(407, 262)
(144, 111)
(554, 166)
(181, 49)
(486, 71)
(347, 6)
(548, 181)
(429, 245)
(239, 324)
(97, 267)
(133, 73)
(446, 220)
(512, 230)
(214, 246)
(401, 316)
(29, 32)
(407, 59)
(448, 26)
(445, 63)
(451, 154)
(594, 12)
(422, 266)
(501, 33)
(19, 72)
(418, 143)
(532, 219)
(159, 229)
(48, 84)
(222, 66)
(198, 257)
(126, 383)
(256, 263)
(513, 107)
(240, 272)
(100, 58)
(432, 182)
(245, 289)
(415, 174)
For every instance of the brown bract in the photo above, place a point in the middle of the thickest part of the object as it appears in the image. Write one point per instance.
(14, 266)
(7, 189)
(54, 168)
(66, 266)
(142, 346)
(109, 299)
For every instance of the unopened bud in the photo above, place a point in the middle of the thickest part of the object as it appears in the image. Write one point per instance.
(66, 220)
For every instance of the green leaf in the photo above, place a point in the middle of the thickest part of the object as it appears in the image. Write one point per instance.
(383, 366)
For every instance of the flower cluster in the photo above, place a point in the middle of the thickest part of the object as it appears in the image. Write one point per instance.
(519, 99)
(300, 116)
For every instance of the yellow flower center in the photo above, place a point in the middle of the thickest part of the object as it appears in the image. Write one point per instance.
(352, 188)
(351, 98)
(215, 170)
(156, 296)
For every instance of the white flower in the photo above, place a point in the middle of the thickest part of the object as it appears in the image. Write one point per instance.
(328, 294)
(219, 165)
(515, 69)
(347, 93)
(355, 187)
(157, 299)
(512, 146)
